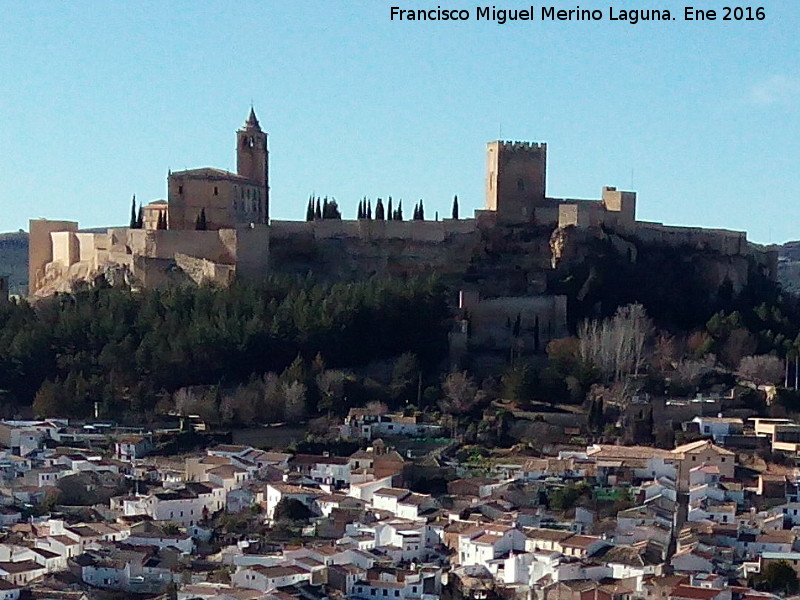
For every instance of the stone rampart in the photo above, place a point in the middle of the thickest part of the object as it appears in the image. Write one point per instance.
(375, 230)
(541, 319)
(65, 248)
(726, 242)
(40, 247)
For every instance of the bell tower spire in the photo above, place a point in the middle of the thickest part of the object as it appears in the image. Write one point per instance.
(252, 157)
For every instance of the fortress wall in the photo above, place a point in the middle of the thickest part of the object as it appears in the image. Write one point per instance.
(89, 245)
(65, 247)
(202, 271)
(374, 230)
(622, 205)
(285, 229)
(165, 244)
(417, 231)
(119, 258)
(545, 215)
(582, 213)
(726, 242)
(334, 228)
(250, 249)
(489, 319)
(118, 239)
(40, 247)
(459, 226)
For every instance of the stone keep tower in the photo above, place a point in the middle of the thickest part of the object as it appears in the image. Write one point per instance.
(515, 179)
(252, 157)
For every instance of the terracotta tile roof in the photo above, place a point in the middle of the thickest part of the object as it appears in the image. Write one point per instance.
(694, 593)
(699, 446)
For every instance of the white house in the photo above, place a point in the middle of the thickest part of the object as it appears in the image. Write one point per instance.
(131, 447)
(185, 506)
(719, 427)
(480, 544)
(402, 540)
(279, 491)
(411, 586)
(258, 577)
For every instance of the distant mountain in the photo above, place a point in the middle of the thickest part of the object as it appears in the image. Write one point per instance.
(789, 266)
(14, 260)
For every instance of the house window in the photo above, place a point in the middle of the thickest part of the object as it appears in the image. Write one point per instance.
(372, 592)
(694, 458)
(723, 459)
(397, 593)
(385, 592)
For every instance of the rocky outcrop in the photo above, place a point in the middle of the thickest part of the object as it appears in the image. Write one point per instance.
(789, 267)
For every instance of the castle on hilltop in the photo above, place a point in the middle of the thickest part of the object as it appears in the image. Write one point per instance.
(215, 226)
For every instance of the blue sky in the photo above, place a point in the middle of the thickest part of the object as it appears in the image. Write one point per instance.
(99, 99)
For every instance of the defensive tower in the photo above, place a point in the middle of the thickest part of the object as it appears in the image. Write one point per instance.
(515, 179)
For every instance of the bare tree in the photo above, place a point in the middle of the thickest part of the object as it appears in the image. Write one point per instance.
(762, 369)
(331, 387)
(617, 346)
(294, 395)
(460, 393)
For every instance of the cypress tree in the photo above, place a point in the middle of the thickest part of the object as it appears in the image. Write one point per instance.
(398, 216)
(379, 212)
(415, 216)
(389, 213)
(310, 209)
(133, 212)
(421, 211)
(326, 214)
(369, 209)
(455, 207)
(140, 218)
(318, 210)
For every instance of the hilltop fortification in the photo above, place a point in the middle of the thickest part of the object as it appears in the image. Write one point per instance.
(214, 226)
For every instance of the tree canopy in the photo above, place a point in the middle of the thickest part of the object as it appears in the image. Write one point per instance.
(125, 349)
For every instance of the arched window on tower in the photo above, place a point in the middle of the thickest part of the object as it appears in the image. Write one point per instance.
(520, 185)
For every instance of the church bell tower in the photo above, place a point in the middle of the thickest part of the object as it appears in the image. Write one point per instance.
(252, 157)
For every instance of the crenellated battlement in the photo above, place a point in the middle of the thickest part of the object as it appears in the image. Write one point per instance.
(516, 146)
